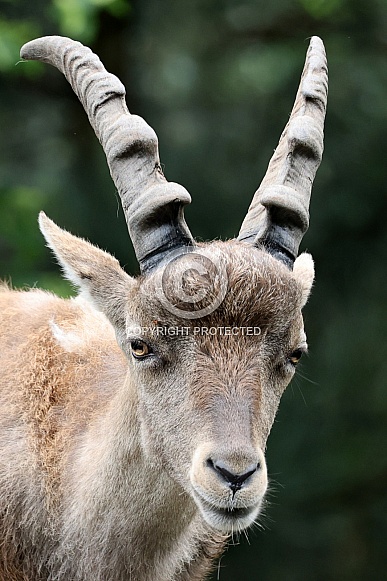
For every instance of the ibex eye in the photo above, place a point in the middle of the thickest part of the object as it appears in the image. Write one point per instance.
(140, 349)
(295, 356)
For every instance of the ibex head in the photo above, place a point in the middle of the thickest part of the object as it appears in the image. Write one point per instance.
(212, 332)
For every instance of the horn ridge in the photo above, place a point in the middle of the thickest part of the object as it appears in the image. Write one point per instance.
(153, 207)
(278, 216)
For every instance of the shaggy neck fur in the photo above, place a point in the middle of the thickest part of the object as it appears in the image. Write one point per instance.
(89, 505)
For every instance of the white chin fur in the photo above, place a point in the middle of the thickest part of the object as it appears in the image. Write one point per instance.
(226, 520)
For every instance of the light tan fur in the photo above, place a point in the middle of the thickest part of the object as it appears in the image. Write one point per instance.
(105, 469)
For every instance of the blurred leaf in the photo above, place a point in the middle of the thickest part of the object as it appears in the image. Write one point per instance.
(13, 34)
(78, 19)
(322, 8)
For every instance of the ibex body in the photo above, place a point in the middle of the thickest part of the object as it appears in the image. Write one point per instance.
(134, 418)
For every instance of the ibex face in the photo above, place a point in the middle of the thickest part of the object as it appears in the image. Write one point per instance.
(212, 332)
(208, 387)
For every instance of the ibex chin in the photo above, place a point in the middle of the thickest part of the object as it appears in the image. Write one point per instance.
(134, 417)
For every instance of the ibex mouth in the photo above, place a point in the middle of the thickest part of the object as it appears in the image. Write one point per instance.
(228, 519)
(233, 513)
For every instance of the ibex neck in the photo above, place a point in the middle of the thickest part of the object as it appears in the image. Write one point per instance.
(123, 506)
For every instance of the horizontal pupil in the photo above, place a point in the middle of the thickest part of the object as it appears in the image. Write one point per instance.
(139, 348)
(296, 356)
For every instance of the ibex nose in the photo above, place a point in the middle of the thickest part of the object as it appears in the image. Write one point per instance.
(233, 479)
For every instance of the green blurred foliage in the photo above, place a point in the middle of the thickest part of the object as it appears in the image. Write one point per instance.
(79, 18)
(12, 36)
(216, 79)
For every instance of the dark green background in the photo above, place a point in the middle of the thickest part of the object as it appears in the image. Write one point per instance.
(217, 79)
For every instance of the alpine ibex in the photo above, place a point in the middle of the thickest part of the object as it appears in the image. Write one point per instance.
(134, 417)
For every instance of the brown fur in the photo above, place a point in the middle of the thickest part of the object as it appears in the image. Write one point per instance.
(103, 459)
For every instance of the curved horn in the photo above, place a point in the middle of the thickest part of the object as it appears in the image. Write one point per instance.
(152, 206)
(278, 216)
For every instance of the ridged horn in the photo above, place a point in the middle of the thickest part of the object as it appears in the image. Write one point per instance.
(153, 207)
(278, 216)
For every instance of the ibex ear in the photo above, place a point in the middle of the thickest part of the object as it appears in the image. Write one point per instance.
(96, 273)
(303, 270)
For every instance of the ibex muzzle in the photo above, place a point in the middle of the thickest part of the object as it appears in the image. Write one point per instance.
(229, 484)
(134, 418)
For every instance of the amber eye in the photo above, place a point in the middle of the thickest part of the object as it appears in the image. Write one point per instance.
(295, 356)
(140, 349)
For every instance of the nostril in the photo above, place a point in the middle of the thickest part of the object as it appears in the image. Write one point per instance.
(210, 463)
(234, 480)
